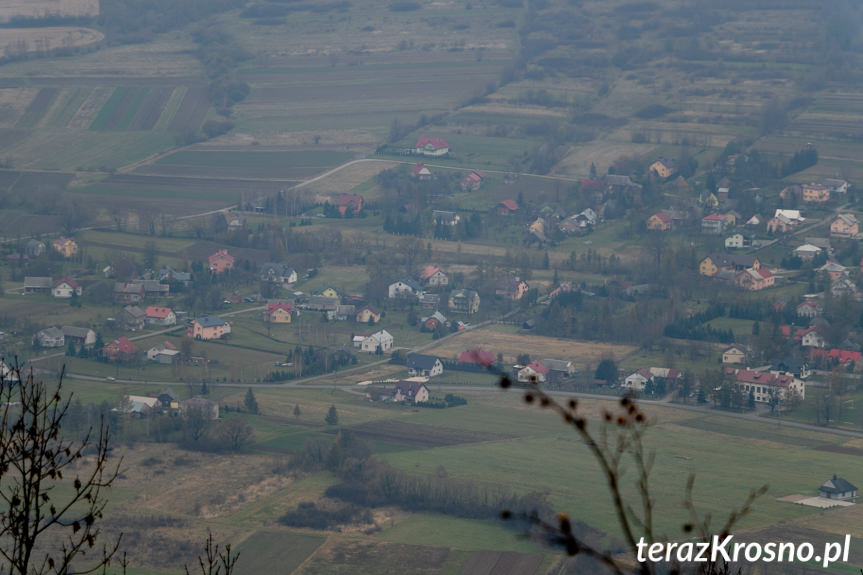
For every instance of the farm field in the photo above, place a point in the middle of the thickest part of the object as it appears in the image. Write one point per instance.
(48, 38)
(37, 8)
(506, 341)
(292, 165)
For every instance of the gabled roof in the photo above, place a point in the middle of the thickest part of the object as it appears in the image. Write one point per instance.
(808, 249)
(221, 255)
(837, 485)
(538, 367)
(123, 345)
(419, 168)
(74, 331)
(840, 355)
(849, 219)
(722, 260)
(411, 284)
(762, 378)
(713, 218)
(158, 312)
(428, 272)
(793, 215)
(832, 267)
(134, 311)
(511, 205)
(283, 306)
(557, 364)
(421, 361)
(435, 143)
(477, 356)
(210, 321)
(68, 281)
(38, 282)
(51, 332)
(409, 388)
(663, 217)
(764, 272)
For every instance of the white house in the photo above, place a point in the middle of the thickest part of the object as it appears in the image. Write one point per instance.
(424, 365)
(637, 380)
(734, 241)
(381, 339)
(65, 288)
(811, 338)
(735, 353)
(807, 251)
(405, 288)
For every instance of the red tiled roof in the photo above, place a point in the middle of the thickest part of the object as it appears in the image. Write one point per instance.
(436, 143)
(221, 255)
(123, 345)
(713, 217)
(477, 356)
(510, 205)
(762, 378)
(665, 218)
(69, 281)
(840, 355)
(285, 306)
(157, 312)
(428, 272)
(538, 367)
(764, 272)
(418, 167)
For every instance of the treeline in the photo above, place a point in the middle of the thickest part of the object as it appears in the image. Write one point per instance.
(369, 482)
(310, 361)
(220, 54)
(695, 326)
(131, 21)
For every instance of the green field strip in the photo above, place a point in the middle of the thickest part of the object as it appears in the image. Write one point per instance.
(323, 158)
(116, 192)
(276, 551)
(171, 108)
(139, 95)
(104, 116)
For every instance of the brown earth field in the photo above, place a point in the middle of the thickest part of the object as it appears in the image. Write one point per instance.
(511, 345)
(193, 108)
(48, 38)
(38, 8)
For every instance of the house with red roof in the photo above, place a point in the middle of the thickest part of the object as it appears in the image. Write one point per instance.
(432, 276)
(752, 279)
(66, 287)
(420, 172)
(121, 349)
(349, 202)
(534, 372)
(279, 313)
(160, 315)
(837, 356)
(472, 181)
(477, 356)
(221, 262)
(506, 207)
(713, 224)
(659, 222)
(435, 147)
(766, 386)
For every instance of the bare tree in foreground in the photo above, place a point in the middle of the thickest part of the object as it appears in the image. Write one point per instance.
(617, 443)
(43, 527)
(213, 561)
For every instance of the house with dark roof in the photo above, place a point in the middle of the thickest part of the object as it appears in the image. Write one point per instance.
(37, 284)
(368, 313)
(837, 488)
(424, 365)
(404, 288)
(49, 337)
(132, 318)
(208, 327)
(432, 322)
(410, 392)
(170, 275)
(128, 292)
(278, 273)
(559, 367)
(796, 366)
(80, 335)
(464, 301)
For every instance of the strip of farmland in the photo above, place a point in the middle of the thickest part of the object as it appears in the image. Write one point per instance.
(37, 108)
(192, 110)
(151, 109)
